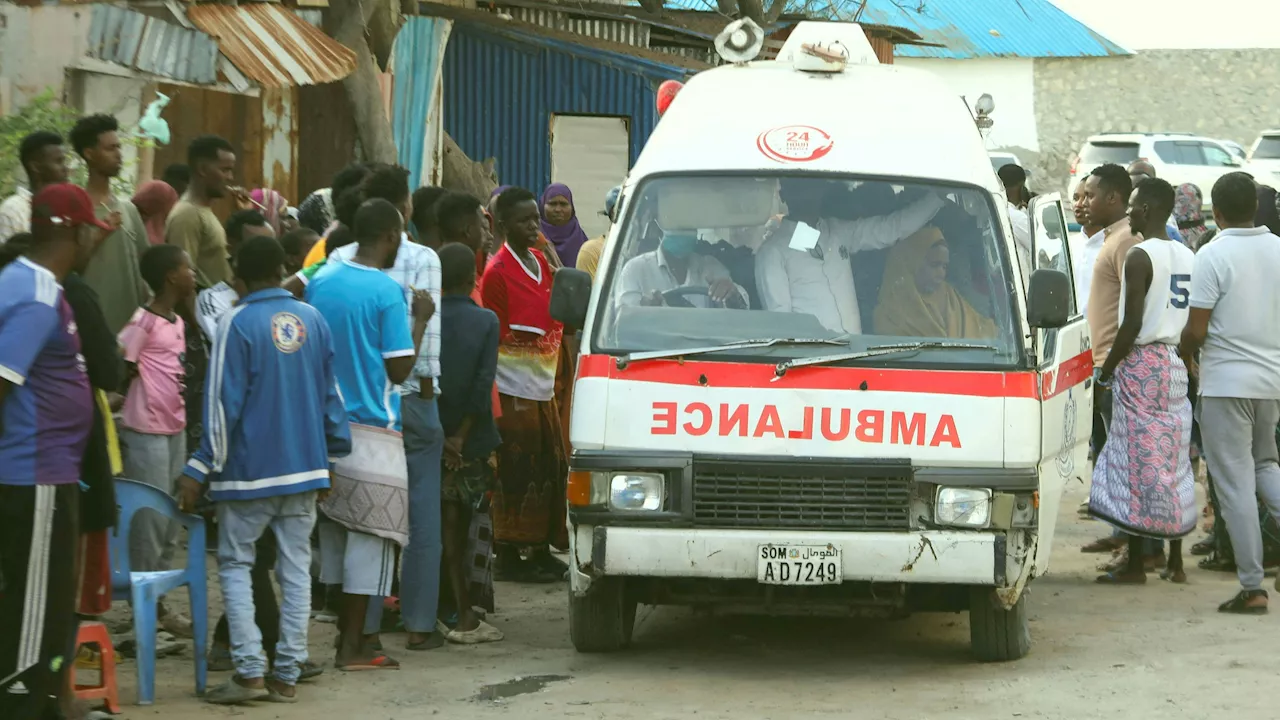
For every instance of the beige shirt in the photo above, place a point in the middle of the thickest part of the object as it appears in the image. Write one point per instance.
(589, 256)
(1104, 292)
(196, 229)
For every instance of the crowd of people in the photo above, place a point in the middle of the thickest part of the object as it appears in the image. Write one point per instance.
(373, 377)
(1182, 322)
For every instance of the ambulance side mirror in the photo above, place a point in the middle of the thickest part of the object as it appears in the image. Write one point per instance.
(570, 297)
(1048, 299)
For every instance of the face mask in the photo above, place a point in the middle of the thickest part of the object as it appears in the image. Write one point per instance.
(679, 245)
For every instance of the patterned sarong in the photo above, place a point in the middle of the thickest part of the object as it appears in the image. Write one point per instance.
(371, 486)
(1142, 480)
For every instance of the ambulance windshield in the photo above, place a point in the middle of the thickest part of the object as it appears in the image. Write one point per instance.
(714, 260)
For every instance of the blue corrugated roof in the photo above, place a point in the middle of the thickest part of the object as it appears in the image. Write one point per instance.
(990, 28)
(964, 28)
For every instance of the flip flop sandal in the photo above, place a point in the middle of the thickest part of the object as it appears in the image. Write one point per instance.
(233, 693)
(1238, 605)
(1167, 574)
(1204, 547)
(484, 633)
(434, 641)
(1115, 579)
(310, 671)
(276, 696)
(379, 662)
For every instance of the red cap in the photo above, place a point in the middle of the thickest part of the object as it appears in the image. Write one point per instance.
(64, 205)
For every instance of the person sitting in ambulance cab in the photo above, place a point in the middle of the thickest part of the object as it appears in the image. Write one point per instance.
(650, 278)
(804, 266)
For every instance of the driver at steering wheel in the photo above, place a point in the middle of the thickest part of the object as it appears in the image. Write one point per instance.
(675, 266)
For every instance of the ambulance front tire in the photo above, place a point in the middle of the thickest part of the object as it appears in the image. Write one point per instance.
(996, 634)
(601, 620)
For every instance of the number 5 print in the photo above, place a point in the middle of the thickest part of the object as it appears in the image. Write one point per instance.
(1179, 293)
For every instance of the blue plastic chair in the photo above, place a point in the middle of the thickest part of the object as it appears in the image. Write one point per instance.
(144, 589)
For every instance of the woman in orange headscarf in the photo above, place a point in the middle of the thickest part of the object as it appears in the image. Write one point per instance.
(915, 298)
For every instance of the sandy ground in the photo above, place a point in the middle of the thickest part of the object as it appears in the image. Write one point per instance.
(1146, 652)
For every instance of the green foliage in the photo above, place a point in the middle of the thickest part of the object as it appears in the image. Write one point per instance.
(43, 112)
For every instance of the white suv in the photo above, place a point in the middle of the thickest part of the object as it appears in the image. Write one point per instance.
(1264, 158)
(1177, 157)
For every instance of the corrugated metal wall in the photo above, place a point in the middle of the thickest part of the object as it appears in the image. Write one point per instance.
(416, 63)
(500, 91)
(619, 31)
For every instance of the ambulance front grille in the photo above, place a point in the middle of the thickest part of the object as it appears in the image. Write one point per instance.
(734, 494)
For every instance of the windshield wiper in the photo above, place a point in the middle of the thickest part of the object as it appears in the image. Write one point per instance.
(625, 360)
(876, 351)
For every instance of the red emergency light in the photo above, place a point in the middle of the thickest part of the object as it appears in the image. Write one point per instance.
(667, 92)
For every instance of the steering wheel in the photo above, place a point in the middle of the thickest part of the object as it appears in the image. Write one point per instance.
(679, 297)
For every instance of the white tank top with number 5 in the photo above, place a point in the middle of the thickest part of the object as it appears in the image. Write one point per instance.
(1169, 297)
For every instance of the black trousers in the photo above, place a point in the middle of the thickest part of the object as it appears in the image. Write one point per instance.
(39, 536)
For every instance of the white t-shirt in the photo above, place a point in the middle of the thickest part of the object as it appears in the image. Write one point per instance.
(1020, 222)
(211, 304)
(1235, 276)
(1164, 315)
(1084, 255)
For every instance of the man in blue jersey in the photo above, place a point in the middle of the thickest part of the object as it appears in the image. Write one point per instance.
(274, 422)
(46, 413)
(366, 310)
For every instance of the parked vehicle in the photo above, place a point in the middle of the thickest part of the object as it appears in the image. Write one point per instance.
(1000, 159)
(1264, 158)
(735, 455)
(1177, 157)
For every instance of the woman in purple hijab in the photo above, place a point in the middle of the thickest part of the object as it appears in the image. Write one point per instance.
(560, 223)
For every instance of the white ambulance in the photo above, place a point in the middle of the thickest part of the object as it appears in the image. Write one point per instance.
(812, 378)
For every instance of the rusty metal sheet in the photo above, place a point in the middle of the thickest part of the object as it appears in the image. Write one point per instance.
(272, 46)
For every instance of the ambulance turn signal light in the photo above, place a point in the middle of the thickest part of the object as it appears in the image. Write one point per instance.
(579, 489)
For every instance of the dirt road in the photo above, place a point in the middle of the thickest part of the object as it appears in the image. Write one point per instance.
(1154, 651)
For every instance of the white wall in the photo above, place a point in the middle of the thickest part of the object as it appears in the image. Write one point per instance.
(1009, 81)
(1181, 24)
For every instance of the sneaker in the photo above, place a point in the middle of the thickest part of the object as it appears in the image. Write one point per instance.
(177, 624)
(325, 616)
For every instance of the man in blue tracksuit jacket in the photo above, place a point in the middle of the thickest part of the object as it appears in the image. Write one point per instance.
(274, 423)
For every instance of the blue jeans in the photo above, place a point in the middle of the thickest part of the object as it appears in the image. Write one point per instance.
(420, 561)
(240, 524)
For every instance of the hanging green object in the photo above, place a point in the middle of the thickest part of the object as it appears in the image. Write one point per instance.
(151, 124)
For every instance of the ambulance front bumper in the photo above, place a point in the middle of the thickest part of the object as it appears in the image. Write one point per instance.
(938, 557)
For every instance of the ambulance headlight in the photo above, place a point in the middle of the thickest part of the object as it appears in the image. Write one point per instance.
(637, 491)
(963, 507)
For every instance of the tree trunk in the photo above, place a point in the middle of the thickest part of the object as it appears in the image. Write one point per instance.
(753, 9)
(728, 8)
(363, 88)
(652, 6)
(773, 12)
(460, 173)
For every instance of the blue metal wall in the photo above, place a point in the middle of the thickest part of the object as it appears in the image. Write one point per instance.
(416, 54)
(501, 88)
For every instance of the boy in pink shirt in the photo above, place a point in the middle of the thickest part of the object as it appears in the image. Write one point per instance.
(152, 436)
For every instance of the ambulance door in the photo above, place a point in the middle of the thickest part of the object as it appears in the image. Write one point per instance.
(1065, 364)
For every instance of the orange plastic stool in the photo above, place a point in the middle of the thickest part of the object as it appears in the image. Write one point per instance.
(95, 633)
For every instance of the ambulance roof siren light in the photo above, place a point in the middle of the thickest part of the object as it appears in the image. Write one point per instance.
(667, 92)
(740, 42)
(982, 110)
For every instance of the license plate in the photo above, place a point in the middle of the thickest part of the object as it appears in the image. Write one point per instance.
(799, 565)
